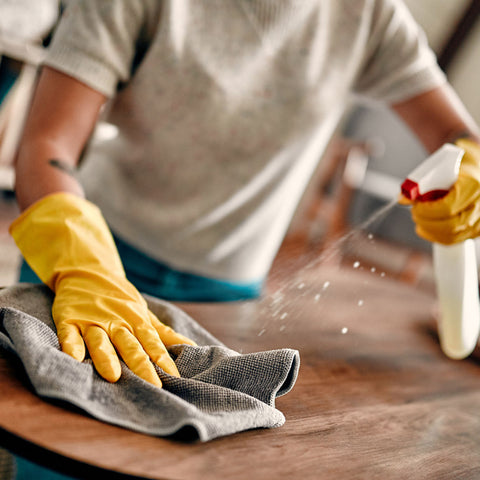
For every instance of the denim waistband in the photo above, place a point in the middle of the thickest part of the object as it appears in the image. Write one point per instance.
(158, 279)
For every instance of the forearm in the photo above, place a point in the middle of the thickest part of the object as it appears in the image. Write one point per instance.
(437, 117)
(41, 169)
(61, 119)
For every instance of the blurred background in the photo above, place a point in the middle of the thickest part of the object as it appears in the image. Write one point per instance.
(373, 152)
(367, 160)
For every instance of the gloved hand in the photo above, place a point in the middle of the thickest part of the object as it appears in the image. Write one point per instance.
(456, 216)
(66, 241)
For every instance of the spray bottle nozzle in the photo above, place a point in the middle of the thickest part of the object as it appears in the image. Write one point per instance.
(435, 176)
(411, 191)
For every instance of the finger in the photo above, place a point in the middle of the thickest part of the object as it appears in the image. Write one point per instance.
(451, 229)
(446, 238)
(446, 226)
(71, 341)
(463, 218)
(439, 232)
(436, 209)
(463, 196)
(168, 335)
(135, 356)
(102, 353)
(434, 238)
(156, 350)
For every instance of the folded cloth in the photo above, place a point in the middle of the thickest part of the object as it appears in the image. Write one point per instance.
(220, 391)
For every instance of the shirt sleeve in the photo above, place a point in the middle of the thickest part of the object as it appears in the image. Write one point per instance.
(96, 41)
(398, 63)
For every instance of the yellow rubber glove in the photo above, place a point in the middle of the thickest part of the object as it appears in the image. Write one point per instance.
(66, 241)
(456, 216)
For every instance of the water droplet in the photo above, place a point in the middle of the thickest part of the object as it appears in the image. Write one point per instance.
(344, 330)
(382, 274)
(317, 297)
(326, 285)
(360, 303)
(261, 332)
(373, 269)
(370, 236)
(301, 285)
(283, 316)
(356, 264)
(277, 297)
(282, 328)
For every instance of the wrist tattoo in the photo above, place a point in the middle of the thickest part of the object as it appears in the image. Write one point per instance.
(63, 166)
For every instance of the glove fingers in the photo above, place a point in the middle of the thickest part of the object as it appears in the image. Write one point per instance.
(135, 357)
(71, 340)
(452, 229)
(462, 196)
(465, 193)
(103, 354)
(168, 335)
(438, 234)
(456, 237)
(156, 350)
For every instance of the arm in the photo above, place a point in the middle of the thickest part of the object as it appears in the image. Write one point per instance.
(66, 241)
(62, 117)
(437, 117)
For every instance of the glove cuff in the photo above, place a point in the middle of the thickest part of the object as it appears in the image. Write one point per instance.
(62, 232)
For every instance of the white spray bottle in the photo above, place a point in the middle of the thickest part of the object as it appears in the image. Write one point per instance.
(455, 266)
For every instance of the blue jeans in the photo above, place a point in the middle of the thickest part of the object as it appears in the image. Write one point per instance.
(159, 280)
(7, 80)
(31, 471)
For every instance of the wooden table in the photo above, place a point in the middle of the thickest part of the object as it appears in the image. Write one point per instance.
(378, 400)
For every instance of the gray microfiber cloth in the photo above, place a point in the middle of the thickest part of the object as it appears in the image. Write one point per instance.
(220, 391)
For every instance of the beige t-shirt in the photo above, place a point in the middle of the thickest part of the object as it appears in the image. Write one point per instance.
(223, 109)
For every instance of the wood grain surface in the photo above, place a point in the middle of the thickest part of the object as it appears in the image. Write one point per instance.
(375, 397)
